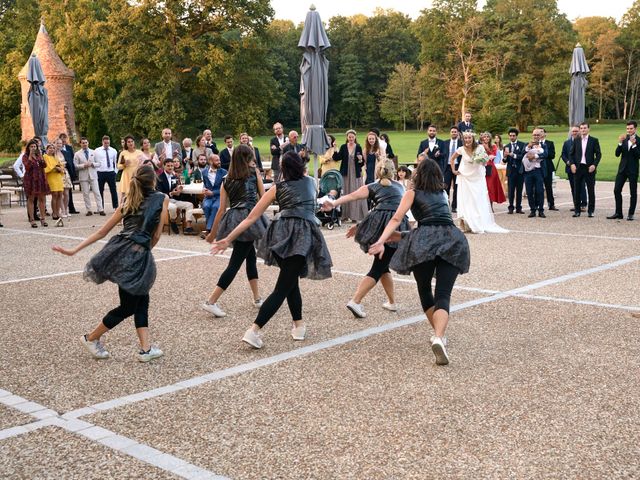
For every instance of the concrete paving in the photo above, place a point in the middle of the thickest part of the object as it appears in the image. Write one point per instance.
(542, 380)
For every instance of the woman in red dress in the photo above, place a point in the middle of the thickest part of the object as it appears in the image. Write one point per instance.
(34, 181)
(496, 193)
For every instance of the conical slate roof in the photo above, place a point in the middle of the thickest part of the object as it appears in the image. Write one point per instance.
(52, 65)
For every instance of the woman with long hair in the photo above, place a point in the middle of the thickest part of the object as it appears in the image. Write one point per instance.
(474, 208)
(436, 246)
(494, 187)
(201, 147)
(293, 242)
(34, 181)
(148, 157)
(242, 187)
(55, 179)
(384, 195)
(127, 261)
(500, 167)
(372, 153)
(351, 163)
(129, 161)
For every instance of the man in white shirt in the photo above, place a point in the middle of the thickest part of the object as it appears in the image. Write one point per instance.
(107, 157)
(87, 168)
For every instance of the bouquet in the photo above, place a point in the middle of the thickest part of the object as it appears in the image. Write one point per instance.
(480, 156)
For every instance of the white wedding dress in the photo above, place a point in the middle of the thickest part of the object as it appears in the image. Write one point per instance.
(473, 197)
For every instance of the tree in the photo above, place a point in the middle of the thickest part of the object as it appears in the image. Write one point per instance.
(395, 106)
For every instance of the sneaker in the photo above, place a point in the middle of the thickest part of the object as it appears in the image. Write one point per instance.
(390, 306)
(252, 338)
(258, 303)
(298, 333)
(445, 342)
(149, 355)
(213, 309)
(440, 351)
(356, 309)
(95, 348)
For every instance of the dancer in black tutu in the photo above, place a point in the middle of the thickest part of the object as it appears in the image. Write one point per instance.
(385, 195)
(435, 246)
(127, 261)
(242, 186)
(293, 242)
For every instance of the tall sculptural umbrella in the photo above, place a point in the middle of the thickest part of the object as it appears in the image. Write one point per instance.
(578, 70)
(314, 85)
(38, 99)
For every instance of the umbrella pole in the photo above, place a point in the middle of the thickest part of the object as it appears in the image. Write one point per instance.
(315, 170)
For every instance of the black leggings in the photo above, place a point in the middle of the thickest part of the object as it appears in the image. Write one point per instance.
(381, 265)
(286, 287)
(241, 251)
(445, 278)
(136, 305)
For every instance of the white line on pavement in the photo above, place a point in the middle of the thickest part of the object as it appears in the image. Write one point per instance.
(576, 235)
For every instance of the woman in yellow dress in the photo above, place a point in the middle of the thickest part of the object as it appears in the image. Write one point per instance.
(128, 162)
(67, 183)
(54, 170)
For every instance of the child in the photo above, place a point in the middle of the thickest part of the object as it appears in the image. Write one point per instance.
(126, 260)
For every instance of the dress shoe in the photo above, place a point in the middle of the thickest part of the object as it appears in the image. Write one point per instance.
(542, 215)
(553, 207)
(615, 216)
(74, 212)
(89, 213)
(510, 212)
(630, 218)
(576, 214)
(174, 228)
(102, 214)
(590, 215)
(531, 215)
(520, 211)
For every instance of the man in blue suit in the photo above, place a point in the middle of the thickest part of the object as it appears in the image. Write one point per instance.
(585, 156)
(212, 177)
(465, 124)
(513, 153)
(434, 148)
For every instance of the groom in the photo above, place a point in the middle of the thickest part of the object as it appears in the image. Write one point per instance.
(513, 153)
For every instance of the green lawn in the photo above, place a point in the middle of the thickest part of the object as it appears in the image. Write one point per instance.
(405, 145)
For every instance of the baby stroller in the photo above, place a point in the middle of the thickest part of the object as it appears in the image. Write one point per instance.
(330, 188)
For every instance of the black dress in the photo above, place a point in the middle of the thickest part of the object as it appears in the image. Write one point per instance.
(435, 236)
(295, 231)
(385, 201)
(126, 259)
(243, 196)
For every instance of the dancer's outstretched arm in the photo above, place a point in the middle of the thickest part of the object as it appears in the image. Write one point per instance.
(99, 235)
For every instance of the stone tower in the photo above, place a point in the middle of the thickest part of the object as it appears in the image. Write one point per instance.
(59, 85)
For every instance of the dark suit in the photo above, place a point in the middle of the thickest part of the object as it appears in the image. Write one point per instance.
(449, 177)
(627, 170)
(534, 182)
(463, 127)
(437, 154)
(592, 157)
(549, 169)
(298, 148)
(68, 154)
(162, 183)
(342, 155)
(258, 159)
(274, 146)
(187, 158)
(515, 173)
(213, 147)
(210, 205)
(225, 158)
(564, 155)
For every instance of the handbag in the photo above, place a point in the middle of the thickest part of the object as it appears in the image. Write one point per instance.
(119, 175)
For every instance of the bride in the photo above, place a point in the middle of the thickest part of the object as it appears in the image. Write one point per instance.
(474, 209)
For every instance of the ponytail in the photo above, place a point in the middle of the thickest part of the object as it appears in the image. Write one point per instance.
(142, 183)
(385, 171)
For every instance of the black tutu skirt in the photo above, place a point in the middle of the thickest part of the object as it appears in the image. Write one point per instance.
(291, 236)
(427, 242)
(232, 219)
(370, 229)
(125, 263)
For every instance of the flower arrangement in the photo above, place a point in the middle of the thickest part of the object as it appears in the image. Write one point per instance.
(480, 156)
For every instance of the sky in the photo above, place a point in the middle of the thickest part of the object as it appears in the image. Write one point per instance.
(297, 10)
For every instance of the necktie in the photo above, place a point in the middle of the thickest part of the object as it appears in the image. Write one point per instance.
(106, 151)
(86, 154)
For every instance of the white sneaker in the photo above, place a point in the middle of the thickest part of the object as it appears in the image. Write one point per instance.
(439, 351)
(445, 342)
(153, 352)
(95, 348)
(213, 309)
(357, 309)
(390, 306)
(258, 303)
(252, 338)
(298, 333)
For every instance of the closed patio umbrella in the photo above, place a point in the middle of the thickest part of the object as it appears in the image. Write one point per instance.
(38, 99)
(578, 70)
